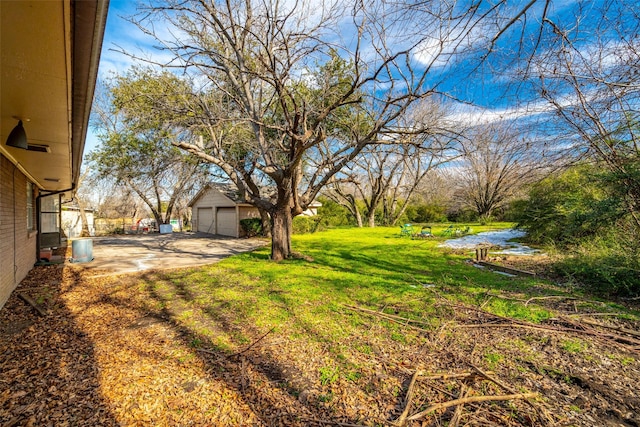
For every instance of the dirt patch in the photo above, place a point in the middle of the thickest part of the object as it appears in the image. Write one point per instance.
(105, 355)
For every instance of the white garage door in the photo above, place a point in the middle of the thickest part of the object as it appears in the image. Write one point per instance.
(205, 220)
(227, 223)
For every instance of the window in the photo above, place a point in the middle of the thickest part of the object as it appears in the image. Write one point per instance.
(30, 214)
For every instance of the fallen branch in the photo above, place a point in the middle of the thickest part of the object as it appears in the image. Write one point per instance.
(520, 325)
(26, 298)
(562, 297)
(549, 297)
(479, 310)
(613, 328)
(426, 376)
(402, 419)
(590, 332)
(595, 314)
(603, 335)
(457, 415)
(333, 423)
(489, 377)
(253, 343)
(217, 353)
(393, 318)
(514, 323)
(471, 399)
(505, 269)
(35, 288)
(505, 297)
(541, 411)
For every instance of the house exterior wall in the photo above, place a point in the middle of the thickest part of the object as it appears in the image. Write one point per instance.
(245, 212)
(17, 244)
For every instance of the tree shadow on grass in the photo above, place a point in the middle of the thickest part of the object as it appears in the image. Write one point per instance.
(48, 374)
(244, 358)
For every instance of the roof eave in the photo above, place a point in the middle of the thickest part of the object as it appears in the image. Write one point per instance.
(89, 21)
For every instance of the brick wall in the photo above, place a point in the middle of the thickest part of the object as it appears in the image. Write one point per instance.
(17, 244)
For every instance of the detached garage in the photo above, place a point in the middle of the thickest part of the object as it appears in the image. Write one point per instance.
(217, 210)
(205, 220)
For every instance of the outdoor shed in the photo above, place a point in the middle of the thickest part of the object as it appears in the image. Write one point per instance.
(217, 209)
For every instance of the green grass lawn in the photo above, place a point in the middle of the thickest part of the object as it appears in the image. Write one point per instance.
(333, 336)
(337, 331)
(375, 269)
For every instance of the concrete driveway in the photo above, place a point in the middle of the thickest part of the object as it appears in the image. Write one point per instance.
(132, 253)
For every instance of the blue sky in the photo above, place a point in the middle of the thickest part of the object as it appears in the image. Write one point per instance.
(490, 92)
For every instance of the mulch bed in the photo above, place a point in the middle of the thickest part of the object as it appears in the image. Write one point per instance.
(101, 356)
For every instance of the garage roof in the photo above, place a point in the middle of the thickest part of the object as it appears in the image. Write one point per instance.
(228, 190)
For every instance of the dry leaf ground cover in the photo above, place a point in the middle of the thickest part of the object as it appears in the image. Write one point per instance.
(366, 328)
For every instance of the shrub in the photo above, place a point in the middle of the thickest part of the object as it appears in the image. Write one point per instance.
(333, 214)
(485, 219)
(306, 224)
(251, 226)
(566, 208)
(462, 215)
(425, 213)
(608, 263)
(582, 213)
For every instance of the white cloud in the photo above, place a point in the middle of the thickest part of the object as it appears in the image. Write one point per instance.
(449, 40)
(434, 51)
(469, 115)
(124, 41)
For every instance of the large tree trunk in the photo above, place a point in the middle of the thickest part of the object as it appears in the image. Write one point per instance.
(281, 227)
(358, 217)
(371, 218)
(266, 222)
(85, 222)
(158, 217)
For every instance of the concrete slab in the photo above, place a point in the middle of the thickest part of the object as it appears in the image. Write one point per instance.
(133, 253)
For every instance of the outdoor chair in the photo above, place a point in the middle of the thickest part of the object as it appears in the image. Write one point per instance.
(424, 233)
(406, 230)
(452, 230)
(449, 231)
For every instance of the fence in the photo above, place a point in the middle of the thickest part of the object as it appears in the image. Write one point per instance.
(108, 226)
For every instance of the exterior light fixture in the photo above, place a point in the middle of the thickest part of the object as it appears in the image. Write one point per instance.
(18, 137)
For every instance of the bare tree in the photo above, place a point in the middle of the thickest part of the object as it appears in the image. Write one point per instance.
(284, 83)
(385, 176)
(590, 75)
(82, 200)
(343, 191)
(497, 164)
